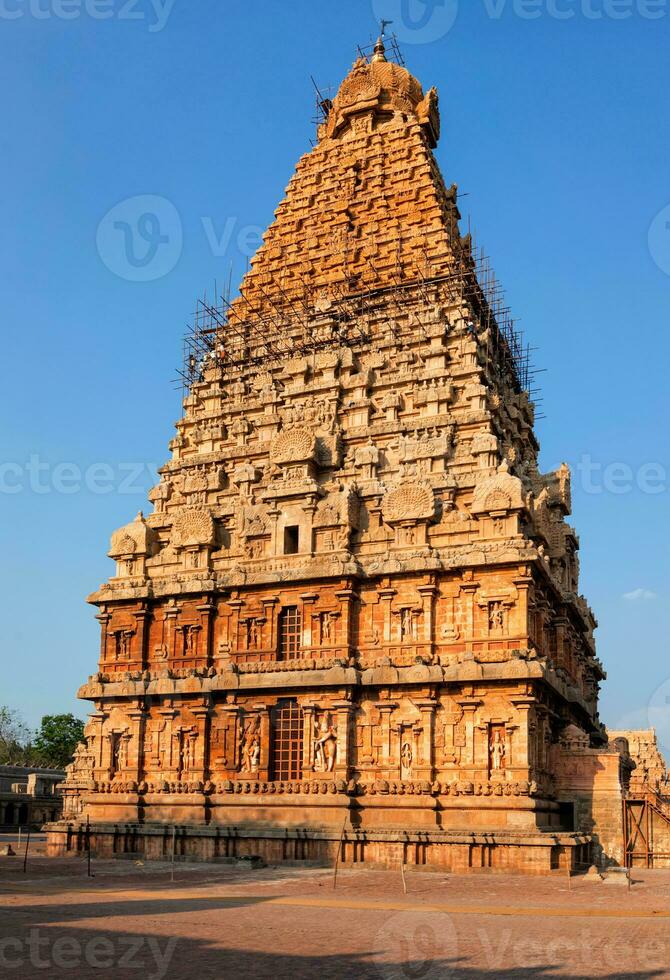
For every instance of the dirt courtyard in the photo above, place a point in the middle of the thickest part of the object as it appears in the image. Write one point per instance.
(132, 921)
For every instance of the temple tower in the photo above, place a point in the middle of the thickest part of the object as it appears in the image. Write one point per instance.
(355, 603)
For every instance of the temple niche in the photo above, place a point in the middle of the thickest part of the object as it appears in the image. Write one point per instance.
(355, 603)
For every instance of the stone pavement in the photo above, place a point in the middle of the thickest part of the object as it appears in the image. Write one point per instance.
(217, 921)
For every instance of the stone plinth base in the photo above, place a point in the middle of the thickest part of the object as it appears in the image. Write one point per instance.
(461, 852)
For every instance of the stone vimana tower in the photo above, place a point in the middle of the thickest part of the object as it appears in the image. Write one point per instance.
(352, 624)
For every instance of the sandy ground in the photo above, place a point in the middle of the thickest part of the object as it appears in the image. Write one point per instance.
(132, 921)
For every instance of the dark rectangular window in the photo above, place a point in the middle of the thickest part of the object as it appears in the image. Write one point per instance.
(291, 540)
(290, 633)
(287, 739)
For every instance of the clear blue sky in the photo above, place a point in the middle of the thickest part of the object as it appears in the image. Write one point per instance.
(557, 129)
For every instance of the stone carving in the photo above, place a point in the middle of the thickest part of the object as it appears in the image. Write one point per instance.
(496, 617)
(325, 744)
(497, 749)
(406, 759)
(500, 492)
(410, 502)
(193, 527)
(250, 749)
(294, 446)
(133, 539)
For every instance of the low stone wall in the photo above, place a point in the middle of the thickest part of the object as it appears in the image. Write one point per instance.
(539, 853)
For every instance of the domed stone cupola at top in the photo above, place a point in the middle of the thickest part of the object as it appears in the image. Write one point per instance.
(355, 602)
(379, 90)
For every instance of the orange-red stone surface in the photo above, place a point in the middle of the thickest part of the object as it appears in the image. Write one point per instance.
(356, 601)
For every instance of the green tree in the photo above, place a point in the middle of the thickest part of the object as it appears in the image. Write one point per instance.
(56, 740)
(14, 738)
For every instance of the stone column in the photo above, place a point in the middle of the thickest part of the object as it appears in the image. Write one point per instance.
(469, 706)
(266, 734)
(135, 761)
(207, 611)
(427, 738)
(468, 591)
(271, 639)
(386, 708)
(343, 710)
(428, 595)
(308, 713)
(346, 597)
(98, 719)
(171, 614)
(386, 596)
(229, 748)
(169, 714)
(201, 761)
(141, 636)
(234, 638)
(519, 737)
(104, 620)
(307, 600)
(522, 611)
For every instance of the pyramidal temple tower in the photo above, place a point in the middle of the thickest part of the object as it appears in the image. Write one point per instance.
(352, 624)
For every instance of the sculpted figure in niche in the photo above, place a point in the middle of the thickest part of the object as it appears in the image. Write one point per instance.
(253, 634)
(122, 644)
(407, 624)
(497, 751)
(116, 752)
(496, 617)
(186, 752)
(190, 634)
(326, 627)
(325, 744)
(406, 758)
(254, 548)
(251, 745)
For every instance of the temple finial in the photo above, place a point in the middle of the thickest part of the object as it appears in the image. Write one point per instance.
(380, 49)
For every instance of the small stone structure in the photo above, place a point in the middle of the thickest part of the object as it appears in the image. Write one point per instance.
(29, 796)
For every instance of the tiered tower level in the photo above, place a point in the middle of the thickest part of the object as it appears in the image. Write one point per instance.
(356, 601)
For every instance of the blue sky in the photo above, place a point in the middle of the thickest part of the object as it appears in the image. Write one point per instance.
(555, 127)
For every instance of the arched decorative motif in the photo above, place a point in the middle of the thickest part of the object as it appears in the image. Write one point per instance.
(293, 446)
(412, 501)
